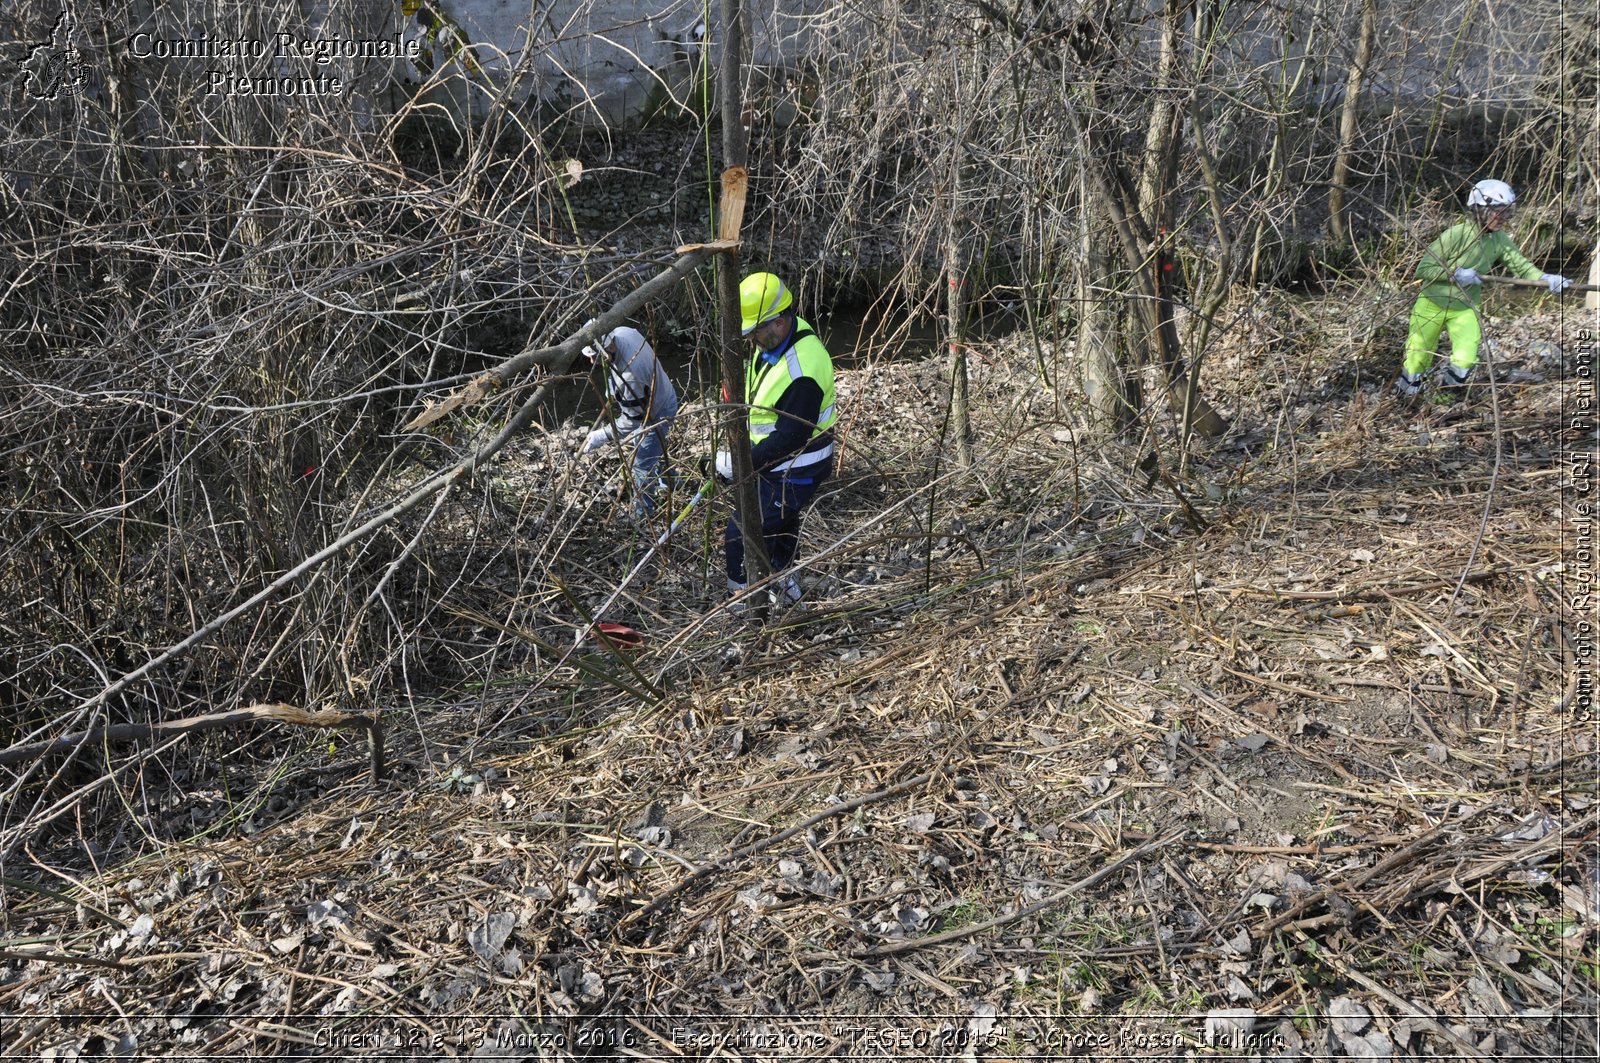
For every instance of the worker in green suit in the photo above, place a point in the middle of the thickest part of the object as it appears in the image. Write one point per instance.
(1451, 273)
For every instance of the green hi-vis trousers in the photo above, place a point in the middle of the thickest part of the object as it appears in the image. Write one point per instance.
(1428, 319)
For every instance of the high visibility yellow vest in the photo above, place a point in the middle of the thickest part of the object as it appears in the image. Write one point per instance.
(766, 382)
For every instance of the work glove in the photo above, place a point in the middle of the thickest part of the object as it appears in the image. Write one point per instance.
(1555, 282)
(1465, 277)
(725, 464)
(597, 439)
(589, 351)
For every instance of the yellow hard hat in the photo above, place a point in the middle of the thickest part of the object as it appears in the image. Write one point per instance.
(762, 297)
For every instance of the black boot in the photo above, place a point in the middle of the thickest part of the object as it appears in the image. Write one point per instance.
(1452, 390)
(1408, 386)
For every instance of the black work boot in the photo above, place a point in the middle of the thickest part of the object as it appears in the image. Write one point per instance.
(1407, 387)
(1452, 389)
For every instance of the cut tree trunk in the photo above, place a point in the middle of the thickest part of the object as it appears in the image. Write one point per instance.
(736, 420)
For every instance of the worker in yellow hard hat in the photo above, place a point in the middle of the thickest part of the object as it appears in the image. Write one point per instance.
(789, 388)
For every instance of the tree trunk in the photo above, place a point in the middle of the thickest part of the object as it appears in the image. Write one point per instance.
(736, 419)
(1109, 180)
(1215, 290)
(133, 126)
(960, 402)
(1153, 299)
(1162, 132)
(1338, 223)
(957, 236)
(1112, 394)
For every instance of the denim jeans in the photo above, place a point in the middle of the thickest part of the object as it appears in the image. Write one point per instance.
(649, 456)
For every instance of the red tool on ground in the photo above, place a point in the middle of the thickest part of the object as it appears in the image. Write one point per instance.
(616, 636)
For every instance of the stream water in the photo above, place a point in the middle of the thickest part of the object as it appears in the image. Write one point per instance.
(854, 336)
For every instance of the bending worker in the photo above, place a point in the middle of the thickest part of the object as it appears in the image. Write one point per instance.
(1451, 271)
(789, 389)
(646, 403)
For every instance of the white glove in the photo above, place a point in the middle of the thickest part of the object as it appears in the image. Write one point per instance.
(1465, 276)
(724, 464)
(597, 439)
(1555, 282)
(590, 352)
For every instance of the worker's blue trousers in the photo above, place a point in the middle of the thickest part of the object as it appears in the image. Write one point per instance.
(782, 500)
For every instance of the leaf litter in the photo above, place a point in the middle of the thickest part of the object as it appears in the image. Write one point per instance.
(1057, 769)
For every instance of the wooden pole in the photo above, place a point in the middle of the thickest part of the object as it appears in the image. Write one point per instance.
(1523, 282)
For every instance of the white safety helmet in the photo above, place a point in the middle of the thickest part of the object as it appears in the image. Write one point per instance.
(1491, 195)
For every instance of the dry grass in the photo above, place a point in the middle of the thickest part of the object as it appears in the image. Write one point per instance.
(1040, 763)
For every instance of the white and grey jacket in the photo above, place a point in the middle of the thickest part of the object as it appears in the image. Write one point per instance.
(635, 381)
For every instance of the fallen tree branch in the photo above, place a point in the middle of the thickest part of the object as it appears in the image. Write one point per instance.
(66, 959)
(272, 713)
(1395, 860)
(558, 356)
(561, 355)
(1368, 592)
(1456, 876)
(438, 481)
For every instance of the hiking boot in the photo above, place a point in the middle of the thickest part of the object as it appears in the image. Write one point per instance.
(785, 592)
(1408, 386)
(1452, 388)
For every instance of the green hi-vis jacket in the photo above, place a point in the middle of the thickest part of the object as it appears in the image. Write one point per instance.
(803, 357)
(1466, 246)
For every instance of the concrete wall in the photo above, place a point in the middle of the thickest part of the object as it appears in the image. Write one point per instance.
(607, 62)
(614, 61)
